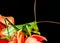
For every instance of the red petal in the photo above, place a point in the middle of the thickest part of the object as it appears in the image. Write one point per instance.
(15, 40)
(10, 18)
(2, 26)
(4, 41)
(39, 38)
(20, 37)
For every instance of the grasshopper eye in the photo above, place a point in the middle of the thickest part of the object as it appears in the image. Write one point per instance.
(32, 29)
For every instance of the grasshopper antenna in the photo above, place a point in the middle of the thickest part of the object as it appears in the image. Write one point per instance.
(35, 9)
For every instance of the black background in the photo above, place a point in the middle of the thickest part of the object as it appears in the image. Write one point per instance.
(23, 12)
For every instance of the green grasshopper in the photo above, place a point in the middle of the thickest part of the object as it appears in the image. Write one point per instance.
(27, 28)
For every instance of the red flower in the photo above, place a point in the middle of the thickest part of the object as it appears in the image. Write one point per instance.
(35, 39)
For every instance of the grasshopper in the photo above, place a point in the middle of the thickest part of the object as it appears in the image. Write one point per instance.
(27, 28)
